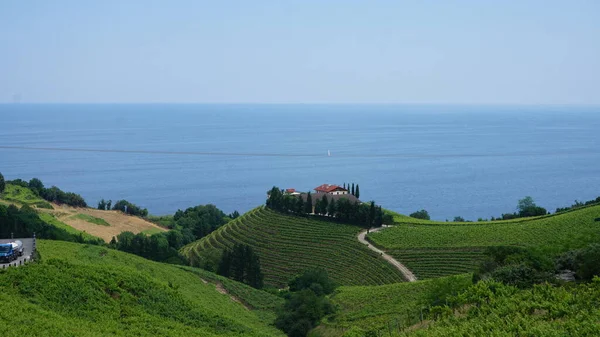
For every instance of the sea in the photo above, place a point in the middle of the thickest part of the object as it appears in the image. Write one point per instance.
(451, 160)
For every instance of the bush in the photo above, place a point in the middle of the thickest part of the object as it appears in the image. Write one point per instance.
(306, 304)
(588, 262)
(422, 214)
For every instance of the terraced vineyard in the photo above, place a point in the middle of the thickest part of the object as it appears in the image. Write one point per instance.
(287, 245)
(433, 249)
(370, 311)
(428, 263)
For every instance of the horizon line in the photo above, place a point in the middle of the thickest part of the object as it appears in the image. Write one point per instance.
(303, 103)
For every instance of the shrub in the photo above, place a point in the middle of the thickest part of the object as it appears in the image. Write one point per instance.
(422, 214)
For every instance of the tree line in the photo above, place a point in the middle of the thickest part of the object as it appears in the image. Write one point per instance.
(187, 226)
(123, 206)
(241, 264)
(354, 191)
(52, 194)
(363, 214)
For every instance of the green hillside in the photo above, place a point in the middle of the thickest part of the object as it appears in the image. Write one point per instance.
(25, 196)
(493, 309)
(87, 290)
(433, 249)
(288, 244)
(373, 309)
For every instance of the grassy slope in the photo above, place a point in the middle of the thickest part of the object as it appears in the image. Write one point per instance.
(287, 245)
(85, 290)
(24, 196)
(375, 308)
(91, 219)
(434, 249)
(50, 219)
(104, 224)
(492, 309)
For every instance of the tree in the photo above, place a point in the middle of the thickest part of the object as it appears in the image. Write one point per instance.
(102, 205)
(458, 219)
(357, 192)
(332, 208)
(324, 204)
(525, 203)
(306, 304)
(108, 204)
(234, 215)
(2, 183)
(308, 205)
(36, 185)
(422, 214)
(352, 192)
(527, 207)
(371, 221)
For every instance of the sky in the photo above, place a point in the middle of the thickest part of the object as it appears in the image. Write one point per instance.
(305, 51)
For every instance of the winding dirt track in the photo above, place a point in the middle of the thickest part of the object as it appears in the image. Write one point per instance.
(408, 275)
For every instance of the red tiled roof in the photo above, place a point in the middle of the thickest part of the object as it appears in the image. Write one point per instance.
(325, 188)
(290, 190)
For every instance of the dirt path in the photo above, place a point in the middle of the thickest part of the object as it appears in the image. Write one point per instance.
(408, 275)
(219, 287)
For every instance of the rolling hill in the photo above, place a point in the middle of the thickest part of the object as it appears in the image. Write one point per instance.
(434, 249)
(99, 223)
(288, 244)
(88, 290)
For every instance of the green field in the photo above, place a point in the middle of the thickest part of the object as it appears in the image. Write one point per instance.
(24, 196)
(494, 309)
(434, 249)
(87, 290)
(287, 245)
(152, 231)
(375, 309)
(91, 219)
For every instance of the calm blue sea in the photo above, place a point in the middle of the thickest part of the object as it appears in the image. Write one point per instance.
(472, 161)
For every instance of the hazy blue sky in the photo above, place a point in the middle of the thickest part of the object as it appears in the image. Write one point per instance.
(524, 52)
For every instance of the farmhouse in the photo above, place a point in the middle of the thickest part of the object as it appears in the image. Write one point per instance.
(331, 189)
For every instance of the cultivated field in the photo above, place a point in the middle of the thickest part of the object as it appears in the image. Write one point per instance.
(287, 245)
(433, 249)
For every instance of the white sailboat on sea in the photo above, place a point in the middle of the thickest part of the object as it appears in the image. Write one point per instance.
(328, 153)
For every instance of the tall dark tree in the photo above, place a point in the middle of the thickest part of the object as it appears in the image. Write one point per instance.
(352, 191)
(224, 268)
(324, 205)
(102, 205)
(299, 205)
(37, 186)
(108, 204)
(332, 208)
(372, 214)
(308, 204)
(357, 192)
(2, 183)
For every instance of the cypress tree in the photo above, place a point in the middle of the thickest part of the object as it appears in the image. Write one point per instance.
(357, 192)
(352, 192)
(344, 185)
(224, 268)
(372, 214)
(238, 262)
(324, 205)
(308, 204)
(299, 205)
(2, 183)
